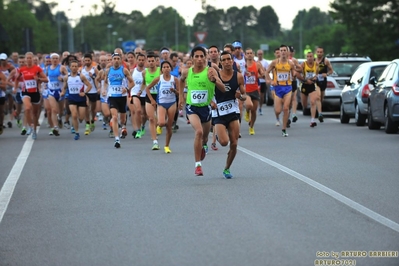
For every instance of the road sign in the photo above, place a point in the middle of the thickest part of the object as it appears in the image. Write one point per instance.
(201, 35)
(128, 46)
(264, 47)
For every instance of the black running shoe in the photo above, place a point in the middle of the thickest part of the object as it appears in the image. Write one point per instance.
(313, 124)
(321, 118)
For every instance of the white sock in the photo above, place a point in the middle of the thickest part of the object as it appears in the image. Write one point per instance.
(197, 164)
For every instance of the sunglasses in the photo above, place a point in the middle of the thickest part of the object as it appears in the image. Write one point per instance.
(237, 48)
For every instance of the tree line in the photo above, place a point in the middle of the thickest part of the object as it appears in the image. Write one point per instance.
(367, 27)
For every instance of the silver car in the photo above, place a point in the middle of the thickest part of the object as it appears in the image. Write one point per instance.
(354, 96)
(384, 100)
(344, 65)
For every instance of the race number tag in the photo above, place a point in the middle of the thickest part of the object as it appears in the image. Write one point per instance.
(320, 77)
(115, 90)
(309, 75)
(282, 76)
(74, 90)
(250, 80)
(227, 107)
(199, 96)
(55, 85)
(31, 85)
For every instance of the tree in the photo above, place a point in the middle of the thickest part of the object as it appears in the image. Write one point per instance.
(371, 26)
(268, 22)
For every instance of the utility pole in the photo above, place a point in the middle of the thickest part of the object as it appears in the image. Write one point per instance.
(176, 32)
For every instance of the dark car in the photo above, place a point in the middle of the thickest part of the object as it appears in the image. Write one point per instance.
(384, 100)
(354, 96)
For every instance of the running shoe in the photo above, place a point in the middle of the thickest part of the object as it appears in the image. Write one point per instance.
(321, 118)
(29, 131)
(227, 174)
(134, 133)
(138, 135)
(181, 113)
(167, 149)
(188, 122)
(104, 126)
(67, 125)
(277, 123)
(87, 130)
(251, 131)
(111, 134)
(313, 124)
(284, 133)
(77, 136)
(55, 132)
(198, 171)
(23, 131)
(117, 144)
(260, 111)
(59, 122)
(9, 124)
(19, 123)
(123, 133)
(142, 131)
(34, 135)
(72, 130)
(92, 127)
(214, 147)
(246, 116)
(155, 146)
(294, 118)
(159, 130)
(206, 148)
(289, 123)
(51, 133)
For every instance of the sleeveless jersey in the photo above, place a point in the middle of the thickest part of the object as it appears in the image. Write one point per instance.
(115, 79)
(240, 62)
(322, 69)
(200, 90)
(91, 80)
(251, 78)
(137, 77)
(226, 101)
(149, 77)
(53, 74)
(164, 93)
(75, 86)
(28, 75)
(309, 72)
(283, 74)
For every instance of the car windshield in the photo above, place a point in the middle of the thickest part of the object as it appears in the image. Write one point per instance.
(345, 68)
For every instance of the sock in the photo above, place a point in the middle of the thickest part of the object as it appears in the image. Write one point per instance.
(155, 142)
(312, 120)
(116, 138)
(197, 164)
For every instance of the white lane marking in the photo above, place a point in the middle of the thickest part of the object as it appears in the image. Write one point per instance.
(9, 185)
(354, 205)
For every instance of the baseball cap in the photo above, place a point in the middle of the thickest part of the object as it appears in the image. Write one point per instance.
(3, 56)
(237, 44)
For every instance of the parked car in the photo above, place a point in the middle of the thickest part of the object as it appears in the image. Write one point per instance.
(344, 65)
(383, 100)
(354, 96)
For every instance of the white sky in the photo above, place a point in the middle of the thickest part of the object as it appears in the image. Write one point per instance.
(285, 10)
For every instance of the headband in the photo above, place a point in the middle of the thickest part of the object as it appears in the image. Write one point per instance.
(54, 54)
(116, 54)
(164, 51)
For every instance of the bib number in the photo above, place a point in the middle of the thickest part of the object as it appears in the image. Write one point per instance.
(282, 76)
(55, 85)
(31, 85)
(320, 77)
(250, 80)
(199, 97)
(225, 108)
(309, 75)
(74, 90)
(115, 90)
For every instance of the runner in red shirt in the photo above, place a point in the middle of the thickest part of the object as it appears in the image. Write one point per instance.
(31, 75)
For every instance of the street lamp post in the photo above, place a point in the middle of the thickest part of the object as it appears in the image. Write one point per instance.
(82, 36)
(176, 32)
(114, 38)
(109, 26)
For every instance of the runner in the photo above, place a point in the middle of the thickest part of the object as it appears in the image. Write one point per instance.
(113, 85)
(325, 69)
(227, 108)
(78, 86)
(3, 84)
(294, 102)
(284, 71)
(201, 81)
(6, 68)
(31, 75)
(167, 87)
(149, 74)
(262, 82)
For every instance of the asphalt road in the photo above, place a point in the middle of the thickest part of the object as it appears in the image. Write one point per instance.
(292, 201)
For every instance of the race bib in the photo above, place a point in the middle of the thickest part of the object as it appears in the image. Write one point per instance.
(31, 85)
(199, 96)
(115, 90)
(320, 77)
(55, 85)
(309, 75)
(250, 80)
(282, 76)
(74, 90)
(227, 107)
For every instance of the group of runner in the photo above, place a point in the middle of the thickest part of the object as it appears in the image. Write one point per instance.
(214, 87)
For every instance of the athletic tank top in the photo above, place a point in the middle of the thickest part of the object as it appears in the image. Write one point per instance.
(251, 78)
(115, 80)
(89, 79)
(149, 77)
(165, 95)
(75, 86)
(309, 72)
(322, 69)
(137, 77)
(28, 74)
(283, 74)
(200, 90)
(226, 101)
(53, 74)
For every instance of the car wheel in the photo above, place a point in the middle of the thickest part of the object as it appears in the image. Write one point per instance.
(343, 116)
(360, 118)
(390, 126)
(370, 122)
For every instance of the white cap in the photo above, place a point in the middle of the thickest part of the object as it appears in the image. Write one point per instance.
(3, 56)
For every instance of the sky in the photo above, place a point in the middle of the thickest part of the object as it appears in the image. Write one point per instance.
(285, 10)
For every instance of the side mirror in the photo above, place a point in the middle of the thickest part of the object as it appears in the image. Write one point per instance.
(373, 80)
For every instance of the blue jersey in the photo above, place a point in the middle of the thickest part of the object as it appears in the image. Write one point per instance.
(53, 75)
(115, 82)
